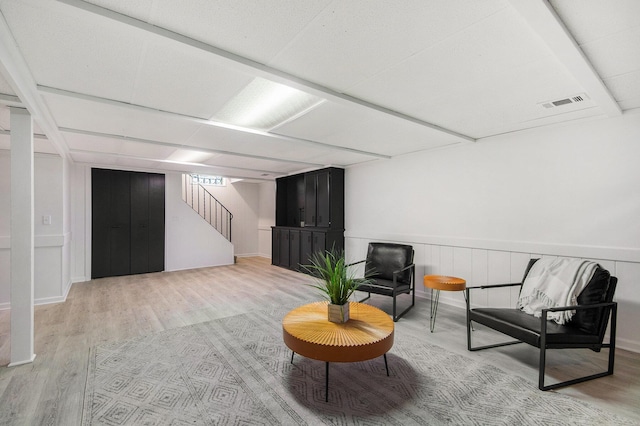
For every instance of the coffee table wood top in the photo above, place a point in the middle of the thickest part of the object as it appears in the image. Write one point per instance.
(368, 334)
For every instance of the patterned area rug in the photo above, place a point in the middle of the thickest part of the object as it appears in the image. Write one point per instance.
(237, 371)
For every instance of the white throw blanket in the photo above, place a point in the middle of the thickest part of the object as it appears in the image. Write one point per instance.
(555, 282)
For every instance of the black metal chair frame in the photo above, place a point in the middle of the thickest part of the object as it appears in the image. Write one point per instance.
(394, 290)
(611, 309)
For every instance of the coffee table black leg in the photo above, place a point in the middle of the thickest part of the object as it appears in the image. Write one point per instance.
(326, 388)
(385, 364)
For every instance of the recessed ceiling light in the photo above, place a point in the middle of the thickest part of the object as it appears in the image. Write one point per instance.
(264, 105)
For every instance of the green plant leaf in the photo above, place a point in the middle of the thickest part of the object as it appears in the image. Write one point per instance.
(334, 279)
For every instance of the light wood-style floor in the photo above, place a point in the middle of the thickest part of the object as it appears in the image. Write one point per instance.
(51, 389)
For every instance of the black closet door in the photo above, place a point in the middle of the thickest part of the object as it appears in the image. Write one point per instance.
(139, 223)
(127, 223)
(111, 206)
(156, 222)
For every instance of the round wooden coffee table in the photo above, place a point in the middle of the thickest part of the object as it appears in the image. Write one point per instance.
(368, 334)
(437, 283)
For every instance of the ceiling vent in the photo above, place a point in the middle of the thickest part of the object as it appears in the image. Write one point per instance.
(566, 101)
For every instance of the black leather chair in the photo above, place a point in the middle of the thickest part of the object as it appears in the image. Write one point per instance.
(390, 271)
(585, 330)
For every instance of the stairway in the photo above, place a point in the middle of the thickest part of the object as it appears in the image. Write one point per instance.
(206, 205)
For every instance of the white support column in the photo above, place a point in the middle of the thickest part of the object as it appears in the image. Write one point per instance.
(22, 238)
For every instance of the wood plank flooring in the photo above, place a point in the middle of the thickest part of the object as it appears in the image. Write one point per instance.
(51, 389)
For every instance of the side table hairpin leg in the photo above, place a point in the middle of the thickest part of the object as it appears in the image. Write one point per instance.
(434, 309)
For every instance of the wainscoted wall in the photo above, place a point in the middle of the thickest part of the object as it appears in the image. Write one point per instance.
(482, 210)
(52, 241)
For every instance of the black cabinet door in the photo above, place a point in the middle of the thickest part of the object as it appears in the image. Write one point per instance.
(294, 249)
(319, 242)
(275, 246)
(323, 216)
(284, 248)
(306, 247)
(310, 199)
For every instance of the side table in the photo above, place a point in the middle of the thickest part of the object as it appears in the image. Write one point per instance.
(437, 283)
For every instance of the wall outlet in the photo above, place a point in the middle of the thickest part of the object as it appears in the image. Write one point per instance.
(46, 220)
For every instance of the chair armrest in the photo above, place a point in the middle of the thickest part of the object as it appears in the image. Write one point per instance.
(409, 266)
(485, 287)
(579, 307)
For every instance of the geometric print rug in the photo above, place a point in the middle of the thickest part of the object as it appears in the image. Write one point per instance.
(237, 371)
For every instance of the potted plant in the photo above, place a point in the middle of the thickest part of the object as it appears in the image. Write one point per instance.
(335, 282)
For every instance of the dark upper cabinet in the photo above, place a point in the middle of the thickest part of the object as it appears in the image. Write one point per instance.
(318, 199)
(310, 212)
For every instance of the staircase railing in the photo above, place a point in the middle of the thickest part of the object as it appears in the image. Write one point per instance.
(206, 205)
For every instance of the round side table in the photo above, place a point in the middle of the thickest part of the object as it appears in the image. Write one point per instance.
(437, 283)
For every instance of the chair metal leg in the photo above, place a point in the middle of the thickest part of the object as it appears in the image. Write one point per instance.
(292, 354)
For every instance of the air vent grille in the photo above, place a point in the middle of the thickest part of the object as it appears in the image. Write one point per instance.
(566, 101)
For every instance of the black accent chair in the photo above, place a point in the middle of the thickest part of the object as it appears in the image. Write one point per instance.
(390, 271)
(585, 330)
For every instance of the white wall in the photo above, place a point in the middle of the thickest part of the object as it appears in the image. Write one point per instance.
(190, 242)
(52, 242)
(481, 210)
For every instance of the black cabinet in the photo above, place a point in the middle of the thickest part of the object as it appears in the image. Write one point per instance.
(127, 223)
(324, 198)
(309, 216)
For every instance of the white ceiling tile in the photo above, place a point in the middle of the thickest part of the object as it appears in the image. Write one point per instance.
(5, 87)
(184, 80)
(77, 142)
(69, 49)
(254, 29)
(141, 9)
(104, 118)
(354, 40)
(617, 54)
(625, 88)
(44, 146)
(264, 166)
(485, 56)
(326, 119)
(589, 20)
(216, 138)
(5, 118)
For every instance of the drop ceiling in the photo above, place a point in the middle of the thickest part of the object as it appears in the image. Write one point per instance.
(149, 84)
